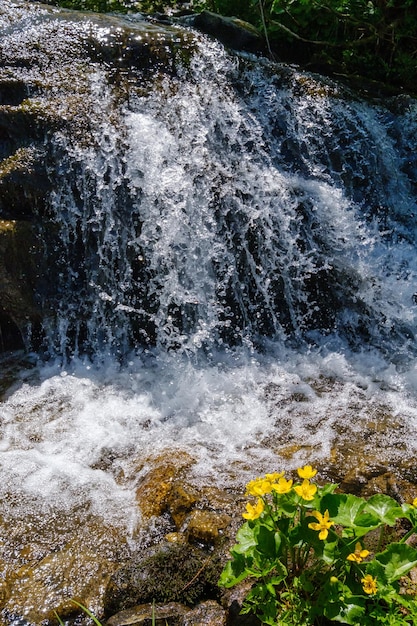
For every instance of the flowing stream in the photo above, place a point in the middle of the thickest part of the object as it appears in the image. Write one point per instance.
(228, 267)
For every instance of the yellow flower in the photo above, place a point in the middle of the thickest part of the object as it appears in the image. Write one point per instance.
(306, 472)
(273, 478)
(369, 584)
(358, 555)
(254, 511)
(306, 491)
(259, 487)
(415, 502)
(282, 486)
(323, 524)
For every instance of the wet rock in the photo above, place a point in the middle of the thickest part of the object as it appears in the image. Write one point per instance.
(49, 61)
(158, 476)
(23, 183)
(175, 538)
(231, 31)
(4, 591)
(206, 526)
(51, 584)
(208, 613)
(172, 614)
(20, 316)
(169, 572)
(47, 562)
(181, 501)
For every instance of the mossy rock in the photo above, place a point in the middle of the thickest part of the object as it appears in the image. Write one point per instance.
(231, 31)
(168, 572)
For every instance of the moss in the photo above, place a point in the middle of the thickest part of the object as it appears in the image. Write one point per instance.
(168, 573)
(7, 226)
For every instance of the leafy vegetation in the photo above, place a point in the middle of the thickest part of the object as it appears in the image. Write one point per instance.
(315, 555)
(375, 39)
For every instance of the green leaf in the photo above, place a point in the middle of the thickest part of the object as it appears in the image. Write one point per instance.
(410, 512)
(385, 508)
(397, 560)
(246, 536)
(266, 540)
(330, 552)
(277, 7)
(349, 610)
(234, 572)
(327, 488)
(343, 508)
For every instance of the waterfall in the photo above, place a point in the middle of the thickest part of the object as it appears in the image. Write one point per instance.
(229, 202)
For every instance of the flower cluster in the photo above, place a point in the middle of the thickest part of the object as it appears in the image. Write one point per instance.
(277, 483)
(306, 541)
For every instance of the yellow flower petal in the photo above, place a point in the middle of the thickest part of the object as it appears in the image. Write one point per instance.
(322, 525)
(254, 511)
(282, 486)
(359, 554)
(306, 490)
(273, 478)
(369, 584)
(306, 472)
(259, 487)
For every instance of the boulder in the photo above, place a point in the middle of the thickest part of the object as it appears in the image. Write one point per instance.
(20, 317)
(168, 572)
(231, 31)
(208, 613)
(156, 479)
(47, 562)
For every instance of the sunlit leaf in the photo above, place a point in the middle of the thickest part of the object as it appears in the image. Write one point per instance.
(246, 536)
(397, 560)
(385, 508)
(234, 572)
(343, 508)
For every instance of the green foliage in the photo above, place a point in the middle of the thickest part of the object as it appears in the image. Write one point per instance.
(309, 552)
(372, 38)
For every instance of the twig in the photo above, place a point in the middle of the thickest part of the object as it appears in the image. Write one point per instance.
(197, 574)
(261, 8)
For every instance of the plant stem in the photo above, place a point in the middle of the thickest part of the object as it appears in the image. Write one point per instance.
(261, 9)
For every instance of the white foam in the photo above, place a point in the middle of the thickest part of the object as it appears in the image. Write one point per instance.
(58, 433)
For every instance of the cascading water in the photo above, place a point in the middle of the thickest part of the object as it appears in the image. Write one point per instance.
(228, 267)
(210, 211)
